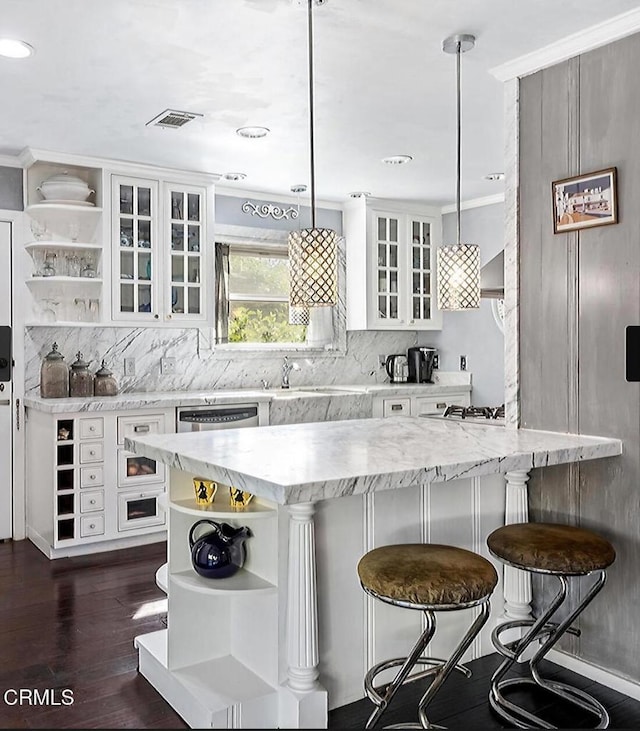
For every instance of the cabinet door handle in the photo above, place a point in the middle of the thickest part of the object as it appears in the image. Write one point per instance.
(18, 414)
(157, 317)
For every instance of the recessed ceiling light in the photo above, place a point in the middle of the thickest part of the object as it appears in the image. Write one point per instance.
(235, 176)
(253, 131)
(397, 159)
(359, 194)
(15, 49)
(494, 176)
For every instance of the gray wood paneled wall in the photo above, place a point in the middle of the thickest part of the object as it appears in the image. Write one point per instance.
(578, 292)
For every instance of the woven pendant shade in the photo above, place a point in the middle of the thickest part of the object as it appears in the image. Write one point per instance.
(458, 265)
(298, 315)
(459, 277)
(313, 272)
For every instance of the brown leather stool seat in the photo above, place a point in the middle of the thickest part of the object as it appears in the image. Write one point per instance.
(551, 548)
(566, 553)
(430, 578)
(427, 574)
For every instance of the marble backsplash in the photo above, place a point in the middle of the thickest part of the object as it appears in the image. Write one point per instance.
(199, 367)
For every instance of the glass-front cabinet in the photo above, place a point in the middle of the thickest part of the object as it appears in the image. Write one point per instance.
(135, 243)
(186, 241)
(158, 234)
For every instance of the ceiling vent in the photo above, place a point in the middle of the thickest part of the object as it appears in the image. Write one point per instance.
(172, 119)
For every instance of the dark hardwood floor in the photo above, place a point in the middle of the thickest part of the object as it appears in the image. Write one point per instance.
(69, 625)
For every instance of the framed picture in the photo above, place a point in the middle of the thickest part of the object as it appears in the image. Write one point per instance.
(585, 201)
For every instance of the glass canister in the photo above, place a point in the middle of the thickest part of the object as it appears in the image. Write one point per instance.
(105, 383)
(54, 375)
(80, 378)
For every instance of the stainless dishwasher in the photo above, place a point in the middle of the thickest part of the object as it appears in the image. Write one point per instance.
(223, 416)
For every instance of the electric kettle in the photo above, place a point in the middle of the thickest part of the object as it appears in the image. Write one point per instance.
(397, 368)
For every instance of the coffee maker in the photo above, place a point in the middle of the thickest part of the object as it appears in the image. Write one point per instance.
(420, 361)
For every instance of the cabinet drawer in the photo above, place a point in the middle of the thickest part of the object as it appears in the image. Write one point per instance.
(396, 407)
(91, 476)
(91, 452)
(134, 469)
(91, 525)
(140, 509)
(91, 500)
(431, 405)
(135, 426)
(91, 428)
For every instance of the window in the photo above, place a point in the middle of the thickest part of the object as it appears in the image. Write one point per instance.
(252, 295)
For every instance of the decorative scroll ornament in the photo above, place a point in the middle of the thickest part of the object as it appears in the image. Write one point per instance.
(268, 209)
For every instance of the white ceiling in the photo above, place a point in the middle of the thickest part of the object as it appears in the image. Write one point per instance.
(383, 86)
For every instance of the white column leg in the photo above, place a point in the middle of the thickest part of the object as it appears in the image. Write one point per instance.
(303, 701)
(516, 583)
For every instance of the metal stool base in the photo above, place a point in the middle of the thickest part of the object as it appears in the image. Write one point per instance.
(439, 669)
(547, 633)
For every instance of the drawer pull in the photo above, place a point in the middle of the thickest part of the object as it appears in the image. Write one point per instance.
(92, 477)
(396, 407)
(441, 405)
(92, 452)
(92, 526)
(92, 428)
(141, 428)
(92, 502)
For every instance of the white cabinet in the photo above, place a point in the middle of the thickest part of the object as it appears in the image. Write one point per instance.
(216, 660)
(64, 243)
(159, 265)
(391, 256)
(414, 405)
(84, 491)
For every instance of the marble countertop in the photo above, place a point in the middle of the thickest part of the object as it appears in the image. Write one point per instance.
(167, 399)
(308, 462)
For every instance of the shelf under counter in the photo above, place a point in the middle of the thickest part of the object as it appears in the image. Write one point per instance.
(254, 510)
(242, 581)
(204, 690)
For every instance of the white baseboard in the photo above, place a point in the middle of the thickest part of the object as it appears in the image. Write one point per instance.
(600, 675)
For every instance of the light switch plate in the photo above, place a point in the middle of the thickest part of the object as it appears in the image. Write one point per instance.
(168, 366)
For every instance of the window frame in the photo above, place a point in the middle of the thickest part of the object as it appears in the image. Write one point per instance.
(263, 239)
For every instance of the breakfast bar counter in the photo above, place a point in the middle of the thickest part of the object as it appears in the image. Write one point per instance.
(324, 494)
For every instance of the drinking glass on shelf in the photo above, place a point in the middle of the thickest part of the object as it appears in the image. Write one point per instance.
(88, 268)
(38, 229)
(74, 231)
(49, 269)
(73, 266)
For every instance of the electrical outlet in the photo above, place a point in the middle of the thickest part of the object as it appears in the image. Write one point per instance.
(436, 362)
(129, 366)
(463, 362)
(168, 366)
(382, 359)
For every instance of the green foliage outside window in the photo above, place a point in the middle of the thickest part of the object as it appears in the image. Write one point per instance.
(263, 324)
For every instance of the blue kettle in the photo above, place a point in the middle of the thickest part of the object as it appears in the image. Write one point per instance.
(220, 552)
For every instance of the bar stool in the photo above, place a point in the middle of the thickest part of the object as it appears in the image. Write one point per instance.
(566, 552)
(431, 578)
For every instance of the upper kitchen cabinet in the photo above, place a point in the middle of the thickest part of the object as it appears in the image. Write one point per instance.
(159, 255)
(63, 238)
(391, 255)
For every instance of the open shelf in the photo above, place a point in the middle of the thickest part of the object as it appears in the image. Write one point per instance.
(200, 691)
(240, 582)
(162, 578)
(254, 510)
(71, 245)
(40, 210)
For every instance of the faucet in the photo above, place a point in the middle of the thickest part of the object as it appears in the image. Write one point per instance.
(286, 369)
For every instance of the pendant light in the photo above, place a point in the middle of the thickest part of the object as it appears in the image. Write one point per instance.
(298, 315)
(313, 258)
(458, 265)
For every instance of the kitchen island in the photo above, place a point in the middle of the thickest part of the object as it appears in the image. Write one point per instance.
(292, 633)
